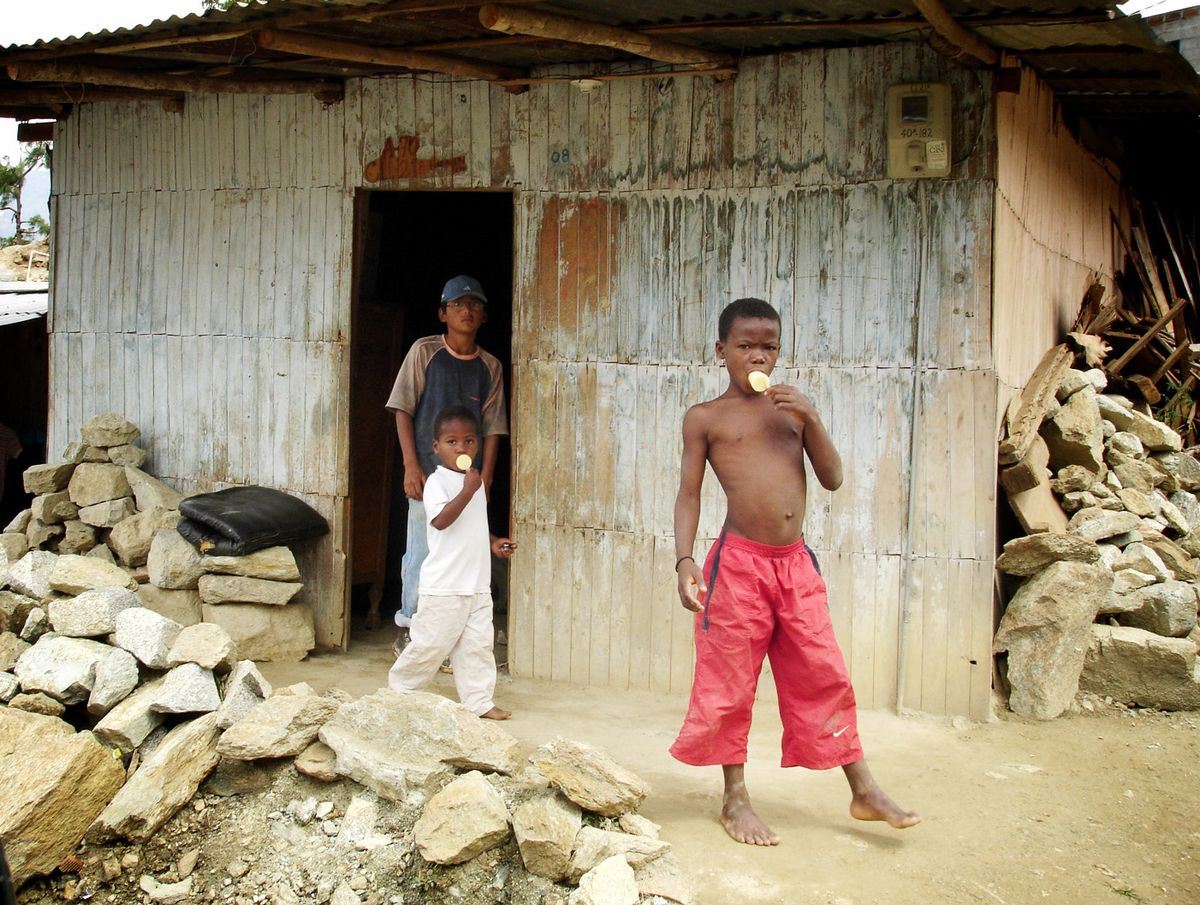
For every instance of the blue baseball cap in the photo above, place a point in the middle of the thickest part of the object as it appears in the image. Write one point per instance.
(460, 286)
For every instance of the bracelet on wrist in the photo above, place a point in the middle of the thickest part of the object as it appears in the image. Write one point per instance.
(681, 559)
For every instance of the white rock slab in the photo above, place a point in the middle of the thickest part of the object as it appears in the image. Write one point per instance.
(188, 688)
(146, 635)
(91, 614)
(172, 562)
(274, 563)
(117, 675)
(463, 820)
(63, 668)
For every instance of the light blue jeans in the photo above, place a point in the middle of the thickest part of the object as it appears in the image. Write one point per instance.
(416, 548)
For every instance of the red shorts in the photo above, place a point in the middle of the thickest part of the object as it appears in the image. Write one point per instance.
(771, 601)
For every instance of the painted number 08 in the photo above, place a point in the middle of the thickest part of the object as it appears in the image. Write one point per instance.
(560, 155)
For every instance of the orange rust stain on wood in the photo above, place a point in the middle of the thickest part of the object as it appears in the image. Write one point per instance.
(399, 161)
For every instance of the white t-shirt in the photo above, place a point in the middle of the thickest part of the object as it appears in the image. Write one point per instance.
(460, 555)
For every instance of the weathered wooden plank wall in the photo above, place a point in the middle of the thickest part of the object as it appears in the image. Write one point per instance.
(646, 207)
(1055, 203)
(201, 281)
(218, 242)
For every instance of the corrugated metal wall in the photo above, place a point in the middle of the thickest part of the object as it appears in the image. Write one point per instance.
(224, 236)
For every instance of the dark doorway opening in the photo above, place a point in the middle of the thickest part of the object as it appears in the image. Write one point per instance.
(24, 409)
(407, 245)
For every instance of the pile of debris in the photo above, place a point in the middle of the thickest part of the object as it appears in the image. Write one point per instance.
(1108, 605)
(101, 521)
(390, 798)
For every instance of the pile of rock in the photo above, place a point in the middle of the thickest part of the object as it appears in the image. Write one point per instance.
(1110, 594)
(100, 504)
(564, 818)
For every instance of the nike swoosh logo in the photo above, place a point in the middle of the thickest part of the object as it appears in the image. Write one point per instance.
(840, 731)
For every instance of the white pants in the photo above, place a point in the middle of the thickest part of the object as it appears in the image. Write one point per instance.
(459, 627)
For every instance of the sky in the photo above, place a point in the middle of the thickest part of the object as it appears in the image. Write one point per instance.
(26, 22)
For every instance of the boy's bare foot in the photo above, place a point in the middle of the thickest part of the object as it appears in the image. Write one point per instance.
(874, 804)
(737, 816)
(741, 823)
(496, 714)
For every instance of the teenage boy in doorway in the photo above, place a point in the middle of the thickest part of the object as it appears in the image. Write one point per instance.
(440, 371)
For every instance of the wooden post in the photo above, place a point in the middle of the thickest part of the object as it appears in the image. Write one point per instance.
(514, 21)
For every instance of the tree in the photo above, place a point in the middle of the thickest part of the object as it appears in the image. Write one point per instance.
(12, 180)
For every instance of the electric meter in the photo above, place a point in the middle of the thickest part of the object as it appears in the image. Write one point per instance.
(918, 130)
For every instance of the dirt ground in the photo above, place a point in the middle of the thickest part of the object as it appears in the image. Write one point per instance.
(1090, 808)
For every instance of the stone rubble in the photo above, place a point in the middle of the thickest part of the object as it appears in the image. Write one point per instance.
(129, 699)
(1108, 606)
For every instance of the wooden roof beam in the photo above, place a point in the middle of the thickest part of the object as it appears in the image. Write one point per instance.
(516, 21)
(333, 49)
(80, 95)
(966, 41)
(73, 74)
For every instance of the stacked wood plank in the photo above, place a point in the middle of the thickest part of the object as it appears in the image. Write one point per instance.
(1144, 333)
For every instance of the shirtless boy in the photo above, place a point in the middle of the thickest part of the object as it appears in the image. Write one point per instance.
(760, 591)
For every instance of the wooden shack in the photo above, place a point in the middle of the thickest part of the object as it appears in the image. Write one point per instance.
(232, 271)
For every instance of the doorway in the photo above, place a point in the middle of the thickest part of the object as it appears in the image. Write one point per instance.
(407, 245)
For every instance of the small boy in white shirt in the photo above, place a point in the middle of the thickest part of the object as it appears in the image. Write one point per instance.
(454, 614)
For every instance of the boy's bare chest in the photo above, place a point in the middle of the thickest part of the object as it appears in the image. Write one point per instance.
(742, 434)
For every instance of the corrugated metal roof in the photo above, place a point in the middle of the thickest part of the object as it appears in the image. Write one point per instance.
(1100, 63)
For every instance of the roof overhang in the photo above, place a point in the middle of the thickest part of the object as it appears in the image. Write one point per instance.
(1103, 66)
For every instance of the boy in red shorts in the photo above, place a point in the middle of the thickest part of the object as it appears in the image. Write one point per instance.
(761, 589)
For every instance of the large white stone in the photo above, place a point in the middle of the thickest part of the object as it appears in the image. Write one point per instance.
(183, 607)
(108, 429)
(146, 635)
(173, 563)
(92, 614)
(97, 482)
(14, 610)
(1074, 434)
(130, 538)
(49, 478)
(464, 819)
(56, 781)
(594, 845)
(1138, 667)
(266, 633)
(54, 508)
(206, 644)
(274, 563)
(63, 668)
(610, 882)
(108, 513)
(117, 676)
(590, 777)
(241, 691)
(1029, 554)
(78, 537)
(394, 743)
(166, 781)
(1045, 631)
(1167, 608)
(1154, 434)
(188, 688)
(546, 826)
(1096, 524)
(130, 723)
(281, 726)
(239, 589)
(150, 492)
(30, 575)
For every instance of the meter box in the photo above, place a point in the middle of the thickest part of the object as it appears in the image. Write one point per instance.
(918, 130)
